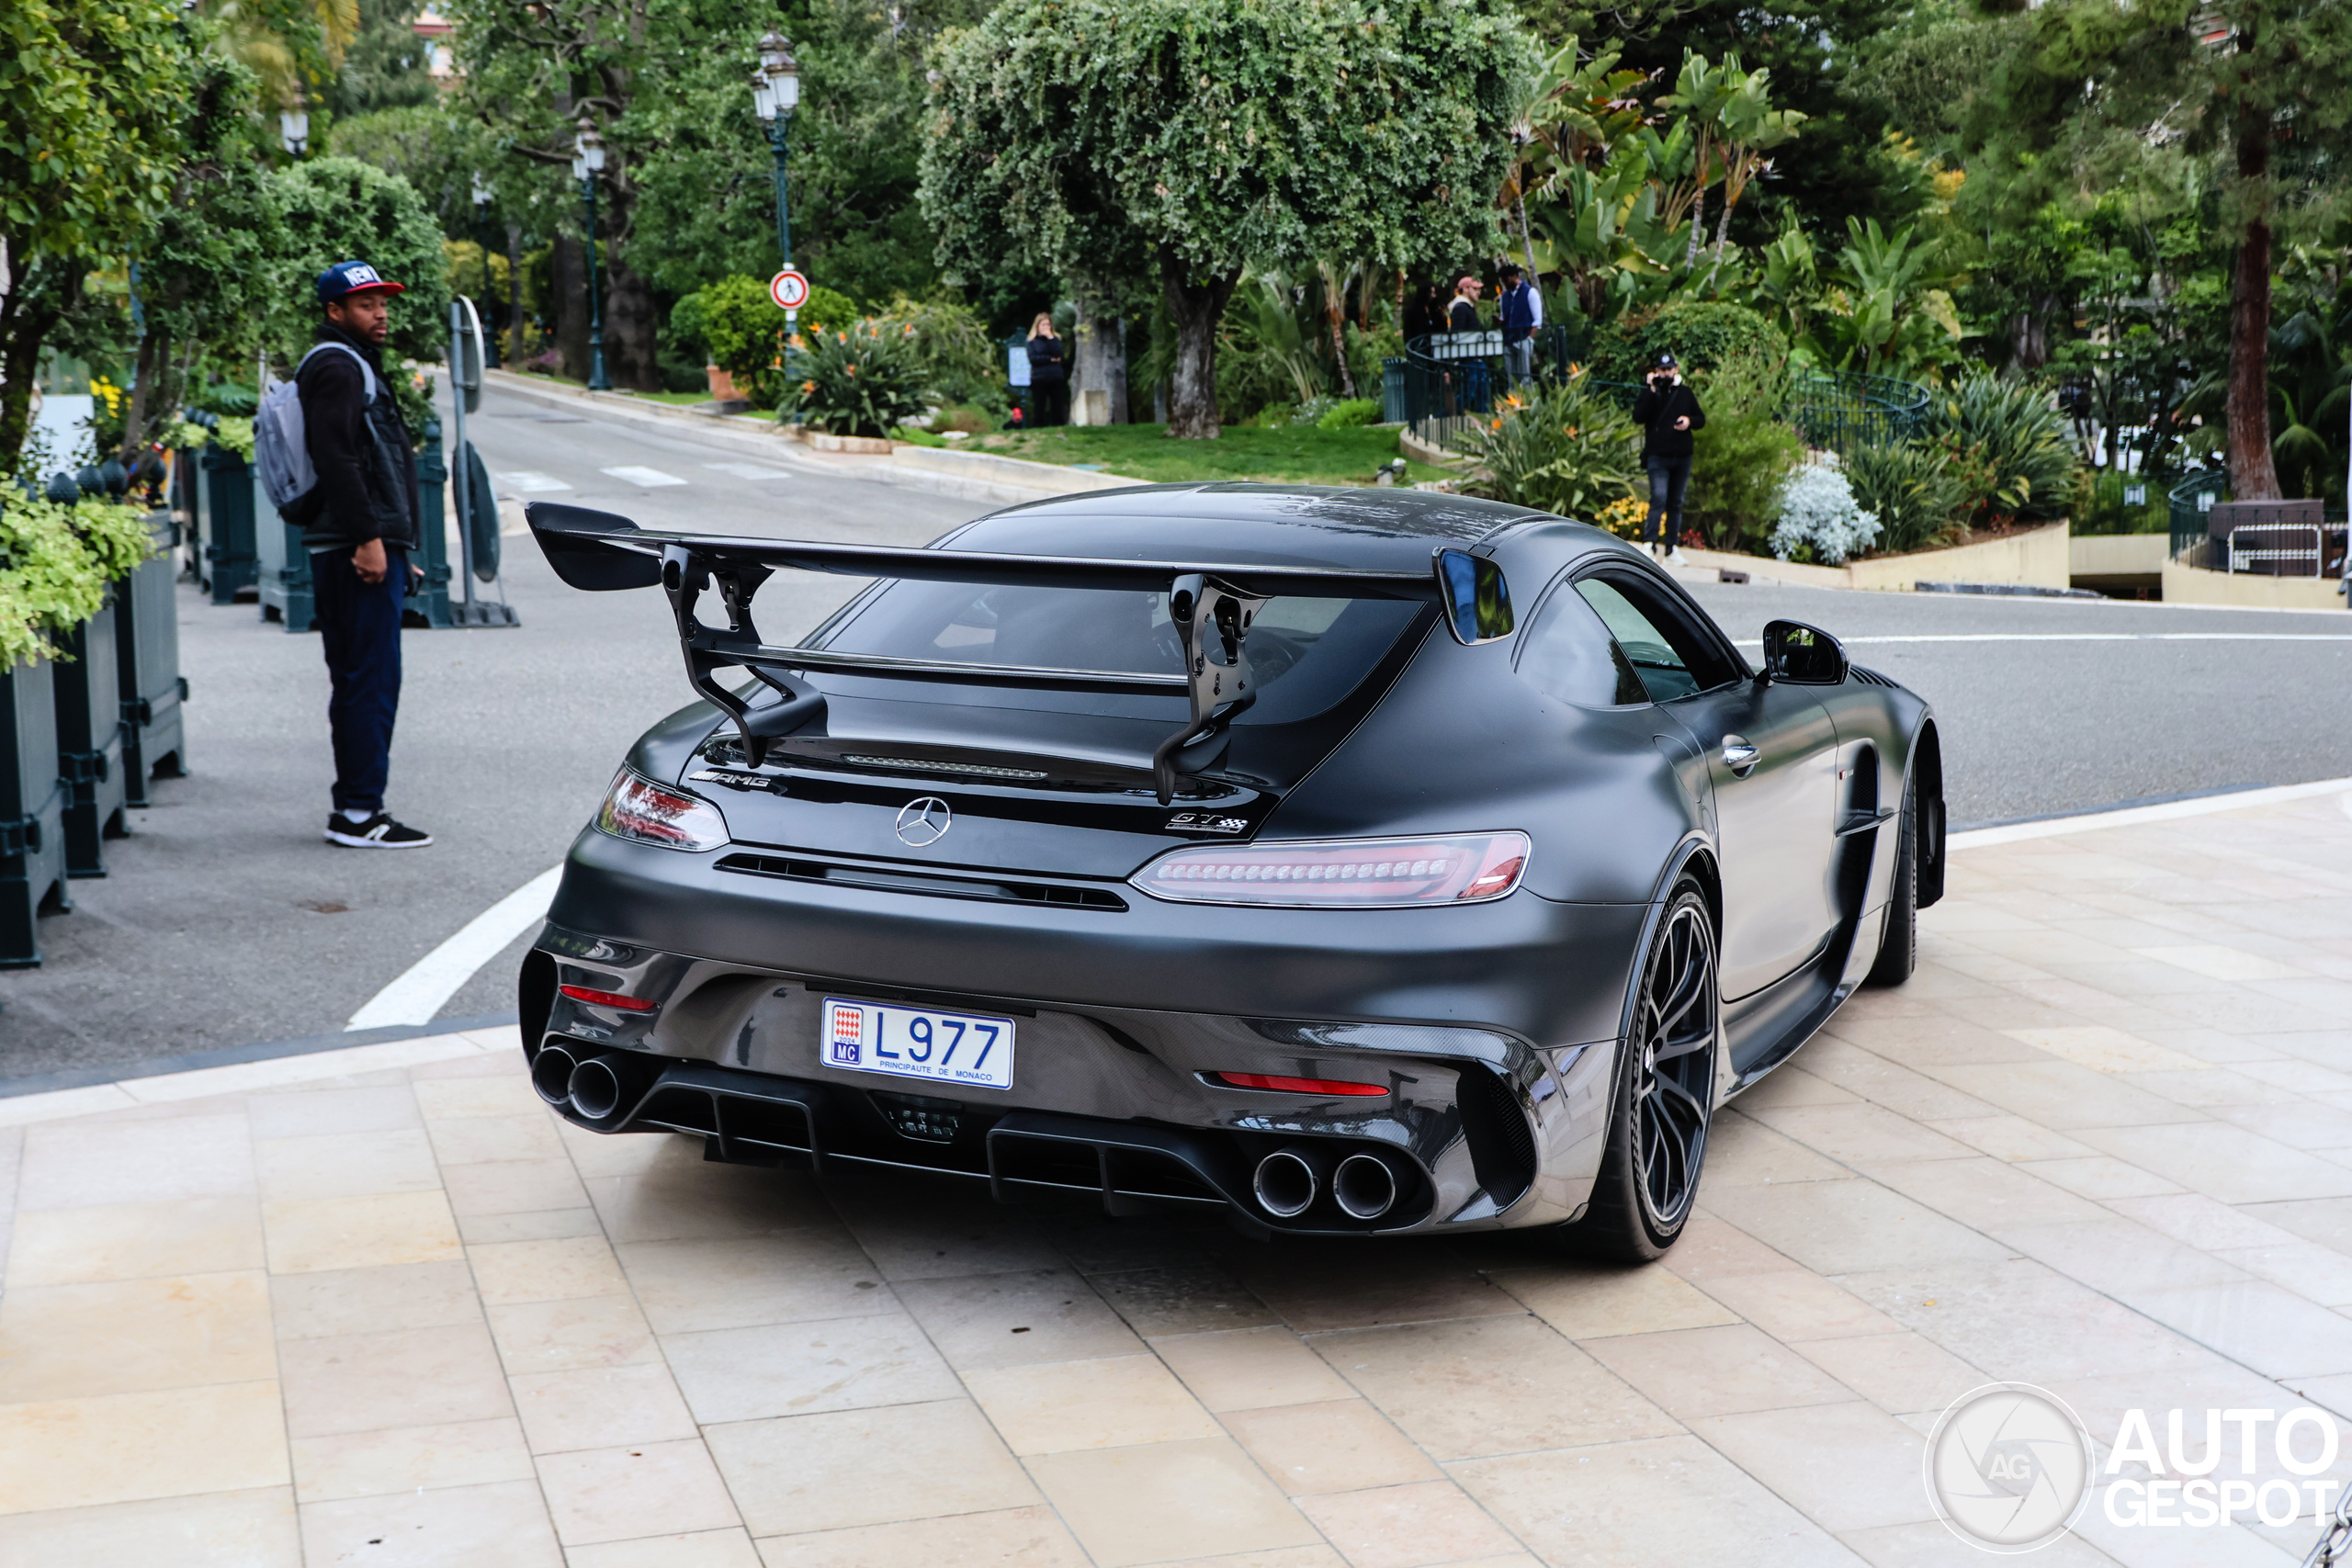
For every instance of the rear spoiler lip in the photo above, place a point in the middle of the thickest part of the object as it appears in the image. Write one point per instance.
(601, 552)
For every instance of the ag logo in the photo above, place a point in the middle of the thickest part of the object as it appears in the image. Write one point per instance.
(922, 823)
(2007, 1467)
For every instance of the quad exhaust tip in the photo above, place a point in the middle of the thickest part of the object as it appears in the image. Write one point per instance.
(596, 1088)
(1363, 1186)
(551, 1072)
(1286, 1183)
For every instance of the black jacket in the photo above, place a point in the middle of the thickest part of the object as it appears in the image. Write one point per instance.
(367, 486)
(1461, 316)
(1654, 410)
(1046, 366)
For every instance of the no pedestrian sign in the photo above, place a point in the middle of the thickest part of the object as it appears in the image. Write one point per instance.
(789, 289)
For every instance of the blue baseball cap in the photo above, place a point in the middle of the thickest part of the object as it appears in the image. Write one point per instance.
(353, 278)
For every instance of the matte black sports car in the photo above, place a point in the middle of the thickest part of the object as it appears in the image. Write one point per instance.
(1350, 860)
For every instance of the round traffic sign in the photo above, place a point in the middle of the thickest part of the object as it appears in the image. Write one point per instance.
(789, 289)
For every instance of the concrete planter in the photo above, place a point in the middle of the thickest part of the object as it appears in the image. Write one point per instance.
(147, 668)
(2037, 557)
(87, 696)
(225, 560)
(32, 813)
(875, 444)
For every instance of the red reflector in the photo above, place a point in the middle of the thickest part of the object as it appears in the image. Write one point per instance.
(606, 998)
(1295, 1086)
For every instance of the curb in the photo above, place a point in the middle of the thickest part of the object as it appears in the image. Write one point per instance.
(971, 476)
(238, 1055)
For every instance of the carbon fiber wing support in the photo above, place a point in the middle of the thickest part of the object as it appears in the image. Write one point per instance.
(1212, 606)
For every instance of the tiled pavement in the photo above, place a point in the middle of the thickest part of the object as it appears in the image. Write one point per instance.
(381, 1308)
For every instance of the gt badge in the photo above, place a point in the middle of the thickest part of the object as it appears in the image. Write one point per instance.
(734, 780)
(1206, 822)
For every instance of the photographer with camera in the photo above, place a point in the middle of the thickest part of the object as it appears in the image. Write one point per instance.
(1667, 413)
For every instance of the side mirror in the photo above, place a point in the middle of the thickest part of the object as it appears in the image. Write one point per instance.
(1476, 599)
(1802, 655)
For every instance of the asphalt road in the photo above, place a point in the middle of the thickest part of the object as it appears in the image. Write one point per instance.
(226, 920)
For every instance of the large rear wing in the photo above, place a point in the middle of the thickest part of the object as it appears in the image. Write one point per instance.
(1212, 604)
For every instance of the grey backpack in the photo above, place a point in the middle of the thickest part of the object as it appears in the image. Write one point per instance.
(280, 451)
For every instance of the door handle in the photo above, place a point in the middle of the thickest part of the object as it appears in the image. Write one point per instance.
(1739, 755)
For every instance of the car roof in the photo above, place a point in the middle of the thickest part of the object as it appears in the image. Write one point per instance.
(1368, 528)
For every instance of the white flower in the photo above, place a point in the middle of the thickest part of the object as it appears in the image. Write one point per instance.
(1816, 508)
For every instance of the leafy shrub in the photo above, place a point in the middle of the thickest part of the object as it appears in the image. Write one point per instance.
(58, 559)
(959, 361)
(1312, 411)
(1741, 455)
(1817, 519)
(743, 331)
(1564, 446)
(863, 381)
(2006, 444)
(1349, 415)
(1912, 488)
(1704, 335)
(335, 209)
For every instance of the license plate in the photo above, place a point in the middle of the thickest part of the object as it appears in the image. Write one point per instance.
(915, 1042)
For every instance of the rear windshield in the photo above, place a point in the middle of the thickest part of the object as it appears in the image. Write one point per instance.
(1306, 653)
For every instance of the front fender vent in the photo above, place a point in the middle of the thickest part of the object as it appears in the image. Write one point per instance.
(1872, 677)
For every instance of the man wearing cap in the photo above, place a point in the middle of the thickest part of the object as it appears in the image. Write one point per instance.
(1667, 413)
(359, 524)
(1520, 315)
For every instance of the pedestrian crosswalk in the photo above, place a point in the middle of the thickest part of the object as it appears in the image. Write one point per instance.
(641, 476)
(750, 470)
(532, 481)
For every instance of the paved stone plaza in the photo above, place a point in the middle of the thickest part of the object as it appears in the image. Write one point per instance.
(380, 1307)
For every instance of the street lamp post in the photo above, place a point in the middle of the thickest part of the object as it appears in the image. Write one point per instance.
(587, 163)
(775, 93)
(488, 278)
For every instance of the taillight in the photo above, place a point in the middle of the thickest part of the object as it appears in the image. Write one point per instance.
(616, 999)
(640, 809)
(1280, 1084)
(1343, 874)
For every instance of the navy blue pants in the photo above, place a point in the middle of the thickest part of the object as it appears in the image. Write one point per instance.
(359, 626)
(1668, 478)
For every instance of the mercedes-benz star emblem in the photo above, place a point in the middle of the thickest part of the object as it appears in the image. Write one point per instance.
(922, 823)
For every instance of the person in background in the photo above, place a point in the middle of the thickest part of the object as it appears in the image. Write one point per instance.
(1424, 312)
(1521, 311)
(1049, 374)
(359, 523)
(1462, 314)
(1667, 413)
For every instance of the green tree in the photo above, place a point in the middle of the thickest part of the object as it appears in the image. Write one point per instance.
(1184, 142)
(386, 65)
(340, 209)
(2254, 88)
(93, 95)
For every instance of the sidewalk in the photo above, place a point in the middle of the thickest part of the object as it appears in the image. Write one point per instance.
(379, 1306)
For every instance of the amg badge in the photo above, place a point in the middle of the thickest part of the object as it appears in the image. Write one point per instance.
(733, 779)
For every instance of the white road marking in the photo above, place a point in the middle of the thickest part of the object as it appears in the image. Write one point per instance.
(2132, 816)
(530, 481)
(432, 979)
(649, 478)
(2085, 637)
(750, 470)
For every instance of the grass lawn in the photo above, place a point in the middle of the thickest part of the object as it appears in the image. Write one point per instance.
(1293, 454)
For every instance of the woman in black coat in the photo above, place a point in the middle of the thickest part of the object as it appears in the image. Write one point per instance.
(1049, 374)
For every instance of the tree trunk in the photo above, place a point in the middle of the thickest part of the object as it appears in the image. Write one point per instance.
(1102, 363)
(1196, 307)
(2253, 477)
(569, 277)
(514, 317)
(144, 370)
(629, 329)
(1698, 225)
(1334, 317)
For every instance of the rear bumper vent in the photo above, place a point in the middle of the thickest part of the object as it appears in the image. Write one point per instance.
(880, 879)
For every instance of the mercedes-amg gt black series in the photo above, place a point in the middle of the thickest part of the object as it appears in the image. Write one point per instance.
(1354, 861)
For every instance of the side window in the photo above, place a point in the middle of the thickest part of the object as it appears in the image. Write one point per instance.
(1568, 654)
(1652, 651)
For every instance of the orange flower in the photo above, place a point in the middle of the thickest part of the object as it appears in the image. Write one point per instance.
(807, 387)
(852, 370)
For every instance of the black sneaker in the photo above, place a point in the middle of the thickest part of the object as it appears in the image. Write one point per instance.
(379, 832)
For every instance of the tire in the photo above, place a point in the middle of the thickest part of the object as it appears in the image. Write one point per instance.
(1898, 950)
(1659, 1119)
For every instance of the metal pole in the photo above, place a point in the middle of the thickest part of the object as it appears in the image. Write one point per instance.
(779, 131)
(489, 289)
(459, 470)
(597, 381)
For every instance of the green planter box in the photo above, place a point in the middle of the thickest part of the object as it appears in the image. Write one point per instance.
(227, 561)
(148, 684)
(32, 813)
(284, 575)
(87, 693)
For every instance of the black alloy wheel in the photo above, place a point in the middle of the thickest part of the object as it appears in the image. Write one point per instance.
(1665, 1093)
